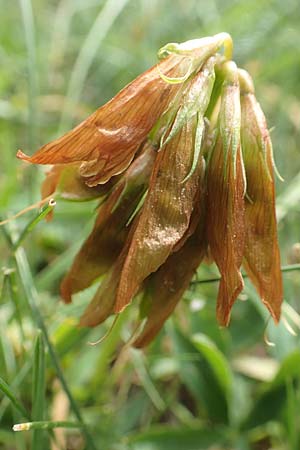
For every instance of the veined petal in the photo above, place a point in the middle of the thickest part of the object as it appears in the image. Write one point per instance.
(105, 143)
(104, 301)
(64, 180)
(165, 216)
(165, 288)
(102, 304)
(225, 199)
(108, 236)
(196, 98)
(261, 254)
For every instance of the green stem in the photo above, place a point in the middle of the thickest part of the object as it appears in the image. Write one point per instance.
(29, 33)
(14, 294)
(31, 297)
(14, 385)
(227, 42)
(29, 227)
(45, 425)
(4, 387)
(32, 91)
(287, 268)
(89, 49)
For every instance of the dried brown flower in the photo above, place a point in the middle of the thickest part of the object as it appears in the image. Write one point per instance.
(182, 161)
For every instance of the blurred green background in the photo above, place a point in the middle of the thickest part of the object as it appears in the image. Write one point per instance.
(197, 386)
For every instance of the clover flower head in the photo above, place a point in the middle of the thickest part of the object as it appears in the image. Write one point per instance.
(182, 162)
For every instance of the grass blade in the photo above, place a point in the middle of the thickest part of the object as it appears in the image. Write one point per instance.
(4, 387)
(38, 389)
(88, 51)
(29, 227)
(16, 382)
(45, 425)
(31, 297)
(29, 31)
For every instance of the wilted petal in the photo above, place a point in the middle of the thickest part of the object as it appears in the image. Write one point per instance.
(261, 254)
(166, 213)
(195, 99)
(106, 141)
(64, 180)
(164, 288)
(109, 138)
(107, 238)
(102, 304)
(225, 198)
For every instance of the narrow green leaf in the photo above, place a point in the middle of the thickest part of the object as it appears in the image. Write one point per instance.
(89, 49)
(201, 376)
(5, 388)
(273, 395)
(30, 41)
(30, 226)
(146, 381)
(217, 362)
(31, 297)
(38, 389)
(177, 439)
(15, 383)
(45, 425)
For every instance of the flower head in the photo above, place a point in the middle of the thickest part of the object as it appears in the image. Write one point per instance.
(182, 161)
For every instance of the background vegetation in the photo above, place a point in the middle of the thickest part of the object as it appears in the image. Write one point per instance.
(197, 386)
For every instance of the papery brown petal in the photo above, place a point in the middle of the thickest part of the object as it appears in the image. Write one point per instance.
(102, 304)
(225, 196)
(49, 186)
(108, 236)
(165, 216)
(109, 138)
(225, 226)
(166, 287)
(261, 254)
(66, 181)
